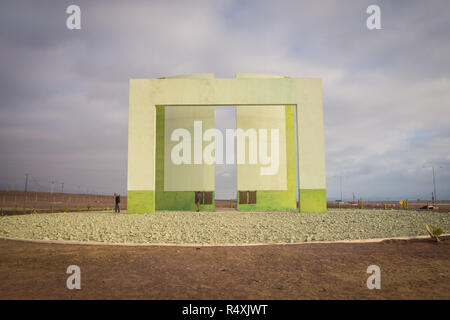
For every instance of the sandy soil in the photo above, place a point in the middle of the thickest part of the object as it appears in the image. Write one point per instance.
(409, 270)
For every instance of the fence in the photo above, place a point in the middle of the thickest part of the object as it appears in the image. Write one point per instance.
(389, 205)
(13, 201)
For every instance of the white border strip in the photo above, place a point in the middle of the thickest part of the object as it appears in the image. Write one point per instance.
(130, 244)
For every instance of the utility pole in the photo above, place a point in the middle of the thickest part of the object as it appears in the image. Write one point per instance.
(341, 185)
(434, 185)
(26, 186)
(26, 182)
(62, 187)
(433, 198)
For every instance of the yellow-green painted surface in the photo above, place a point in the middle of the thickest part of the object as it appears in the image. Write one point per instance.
(267, 118)
(268, 200)
(141, 201)
(312, 200)
(171, 200)
(186, 177)
(180, 201)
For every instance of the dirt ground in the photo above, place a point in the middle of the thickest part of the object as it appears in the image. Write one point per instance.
(409, 270)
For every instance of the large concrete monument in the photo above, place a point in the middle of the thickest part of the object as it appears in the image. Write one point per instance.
(173, 146)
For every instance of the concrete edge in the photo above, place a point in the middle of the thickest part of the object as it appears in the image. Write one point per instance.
(130, 244)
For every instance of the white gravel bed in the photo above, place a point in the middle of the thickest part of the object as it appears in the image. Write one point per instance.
(222, 227)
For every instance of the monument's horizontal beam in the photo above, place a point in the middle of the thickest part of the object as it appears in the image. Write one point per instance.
(285, 91)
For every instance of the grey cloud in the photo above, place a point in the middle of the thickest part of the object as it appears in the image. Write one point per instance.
(64, 94)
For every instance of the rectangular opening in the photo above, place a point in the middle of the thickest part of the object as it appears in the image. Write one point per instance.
(242, 197)
(252, 197)
(225, 173)
(207, 197)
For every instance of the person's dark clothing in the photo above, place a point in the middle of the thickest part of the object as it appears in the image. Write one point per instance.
(198, 197)
(117, 199)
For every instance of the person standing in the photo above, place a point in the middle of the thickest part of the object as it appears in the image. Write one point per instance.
(117, 200)
(198, 199)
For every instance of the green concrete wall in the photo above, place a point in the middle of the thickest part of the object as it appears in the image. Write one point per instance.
(140, 201)
(270, 200)
(312, 200)
(180, 200)
(171, 200)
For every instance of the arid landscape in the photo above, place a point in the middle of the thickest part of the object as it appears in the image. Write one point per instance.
(409, 270)
(20, 202)
(41, 202)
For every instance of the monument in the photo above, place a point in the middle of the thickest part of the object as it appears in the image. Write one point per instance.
(173, 146)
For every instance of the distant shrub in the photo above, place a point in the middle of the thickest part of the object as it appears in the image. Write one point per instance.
(89, 207)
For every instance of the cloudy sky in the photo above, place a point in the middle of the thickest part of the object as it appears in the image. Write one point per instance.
(64, 93)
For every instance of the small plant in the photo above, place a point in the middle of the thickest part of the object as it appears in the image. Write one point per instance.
(31, 210)
(24, 209)
(2, 211)
(15, 209)
(89, 207)
(360, 203)
(51, 208)
(103, 208)
(78, 208)
(66, 208)
(435, 233)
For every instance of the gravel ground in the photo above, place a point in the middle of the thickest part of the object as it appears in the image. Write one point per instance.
(222, 226)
